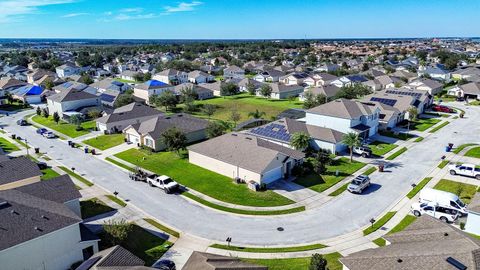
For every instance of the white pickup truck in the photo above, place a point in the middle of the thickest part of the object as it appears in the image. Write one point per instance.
(465, 170)
(164, 182)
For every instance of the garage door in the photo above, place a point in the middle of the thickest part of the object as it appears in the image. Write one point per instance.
(272, 175)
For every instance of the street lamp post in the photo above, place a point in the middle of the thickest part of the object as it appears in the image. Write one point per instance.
(26, 145)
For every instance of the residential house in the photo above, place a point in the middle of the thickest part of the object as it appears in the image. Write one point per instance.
(207, 261)
(404, 74)
(149, 132)
(296, 78)
(66, 70)
(17, 172)
(128, 75)
(469, 73)
(421, 99)
(215, 87)
(110, 84)
(327, 67)
(71, 102)
(149, 88)
(431, 86)
(271, 75)
(116, 257)
(8, 84)
(282, 91)
(320, 79)
(202, 92)
(35, 75)
(427, 243)
(233, 72)
(329, 91)
(469, 91)
(244, 83)
(345, 116)
(197, 77)
(245, 157)
(122, 117)
(31, 94)
(67, 86)
(171, 76)
(436, 72)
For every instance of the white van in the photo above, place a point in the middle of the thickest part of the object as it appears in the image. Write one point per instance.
(442, 198)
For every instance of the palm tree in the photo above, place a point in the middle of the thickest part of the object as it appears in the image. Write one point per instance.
(256, 114)
(351, 140)
(300, 140)
(412, 115)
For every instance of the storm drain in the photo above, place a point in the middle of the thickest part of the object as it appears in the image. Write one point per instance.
(280, 229)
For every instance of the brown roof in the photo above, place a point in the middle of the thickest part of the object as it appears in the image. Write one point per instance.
(342, 108)
(207, 261)
(157, 125)
(6, 83)
(129, 111)
(425, 244)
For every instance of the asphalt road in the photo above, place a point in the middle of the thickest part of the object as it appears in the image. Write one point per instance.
(341, 215)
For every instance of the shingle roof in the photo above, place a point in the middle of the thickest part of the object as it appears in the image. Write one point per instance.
(114, 258)
(71, 95)
(16, 169)
(129, 111)
(342, 108)
(206, 261)
(59, 189)
(157, 125)
(471, 88)
(6, 83)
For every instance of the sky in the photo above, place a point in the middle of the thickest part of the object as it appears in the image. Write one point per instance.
(238, 19)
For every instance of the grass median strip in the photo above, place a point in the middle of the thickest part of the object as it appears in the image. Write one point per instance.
(339, 191)
(443, 164)
(419, 139)
(119, 164)
(379, 223)
(242, 211)
(380, 242)
(78, 177)
(418, 187)
(370, 171)
(403, 224)
(269, 250)
(396, 154)
(116, 200)
(461, 147)
(162, 227)
(435, 129)
(8, 146)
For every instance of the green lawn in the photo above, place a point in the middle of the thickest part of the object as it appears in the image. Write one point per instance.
(15, 106)
(269, 250)
(438, 127)
(370, 171)
(207, 182)
(93, 207)
(245, 103)
(75, 175)
(418, 187)
(297, 263)
(321, 183)
(7, 146)
(380, 242)
(399, 136)
(459, 149)
(464, 191)
(381, 148)
(48, 174)
(422, 124)
(443, 164)
(474, 152)
(340, 190)
(116, 200)
(103, 142)
(403, 224)
(65, 128)
(119, 164)
(419, 139)
(379, 223)
(162, 227)
(141, 243)
(397, 153)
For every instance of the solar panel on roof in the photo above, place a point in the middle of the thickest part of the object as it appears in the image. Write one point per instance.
(404, 93)
(386, 101)
(107, 98)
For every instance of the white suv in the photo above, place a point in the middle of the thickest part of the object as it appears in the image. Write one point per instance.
(445, 214)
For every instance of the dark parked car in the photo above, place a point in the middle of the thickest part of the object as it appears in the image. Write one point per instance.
(164, 265)
(41, 130)
(42, 165)
(22, 122)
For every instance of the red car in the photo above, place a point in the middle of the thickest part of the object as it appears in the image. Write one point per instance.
(440, 108)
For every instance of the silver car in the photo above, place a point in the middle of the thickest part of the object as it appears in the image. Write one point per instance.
(359, 184)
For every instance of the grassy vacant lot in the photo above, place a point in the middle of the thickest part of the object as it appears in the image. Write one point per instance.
(103, 142)
(93, 207)
(8, 146)
(269, 250)
(64, 127)
(459, 149)
(464, 191)
(207, 182)
(162, 227)
(297, 263)
(403, 224)
(48, 174)
(399, 136)
(379, 223)
(320, 183)
(418, 187)
(474, 152)
(396, 154)
(435, 129)
(143, 244)
(381, 148)
(245, 103)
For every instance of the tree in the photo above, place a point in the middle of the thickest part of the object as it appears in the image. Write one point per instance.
(56, 117)
(412, 115)
(256, 114)
(39, 111)
(138, 77)
(49, 84)
(309, 100)
(94, 114)
(209, 109)
(354, 91)
(215, 129)
(351, 140)
(300, 140)
(266, 91)
(188, 94)
(228, 89)
(174, 139)
(321, 161)
(117, 231)
(86, 79)
(318, 262)
(234, 116)
(166, 99)
(251, 89)
(147, 76)
(45, 112)
(76, 120)
(123, 99)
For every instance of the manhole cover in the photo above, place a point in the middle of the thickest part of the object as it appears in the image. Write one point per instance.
(280, 229)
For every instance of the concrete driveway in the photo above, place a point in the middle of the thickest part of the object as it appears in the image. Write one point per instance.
(341, 215)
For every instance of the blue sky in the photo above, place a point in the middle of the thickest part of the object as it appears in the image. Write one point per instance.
(232, 19)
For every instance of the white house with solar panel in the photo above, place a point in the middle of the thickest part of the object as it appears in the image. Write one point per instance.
(150, 88)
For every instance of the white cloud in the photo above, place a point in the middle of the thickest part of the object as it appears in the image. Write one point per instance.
(71, 15)
(125, 17)
(182, 7)
(131, 10)
(9, 9)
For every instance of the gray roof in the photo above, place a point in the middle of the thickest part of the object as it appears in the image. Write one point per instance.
(430, 83)
(129, 111)
(425, 244)
(281, 88)
(6, 83)
(114, 258)
(246, 151)
(207, 261)
(233, 68)
(24, 217)
(59, 189)
(71, 95)
(157, 125)
(471, 88)
(342, 108)
(329, 90)
(17, 169)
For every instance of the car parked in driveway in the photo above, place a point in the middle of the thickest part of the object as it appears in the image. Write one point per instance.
(469, 170)
(164, 265)
(359, 184)
(363, 151)
(441, 108)
(49, 135)
(41, 131)
(443, 213)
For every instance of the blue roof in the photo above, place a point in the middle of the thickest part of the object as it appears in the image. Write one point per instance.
(357, 78)
(28, 90)
(155, 83)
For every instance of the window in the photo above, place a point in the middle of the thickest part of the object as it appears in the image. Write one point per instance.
(149, 142)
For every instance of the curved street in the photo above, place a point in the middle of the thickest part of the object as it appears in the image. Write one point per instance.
(343, 214)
